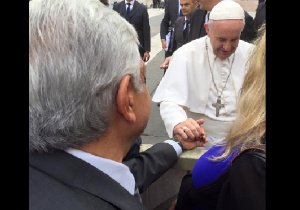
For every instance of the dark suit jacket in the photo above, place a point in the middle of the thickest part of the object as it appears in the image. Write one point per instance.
(148, 166)
(139, 18)
(62, 181)
(260, 15)
(171, 14)
(197, 24)
(198, 30)
(178, 35)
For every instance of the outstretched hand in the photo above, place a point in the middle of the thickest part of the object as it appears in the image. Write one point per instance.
(146, 56)
(166, 63)
(163, 44)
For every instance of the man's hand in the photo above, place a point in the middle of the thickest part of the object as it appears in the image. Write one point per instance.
(146, 56)
(163, 44)
(165, 64)
(190, 133)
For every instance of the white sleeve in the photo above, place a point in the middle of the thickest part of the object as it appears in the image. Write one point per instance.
(172, 114)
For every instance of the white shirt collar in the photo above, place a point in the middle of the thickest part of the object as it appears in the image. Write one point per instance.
(117, 171)
(206, 16)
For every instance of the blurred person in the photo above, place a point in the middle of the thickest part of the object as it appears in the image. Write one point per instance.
(182, 24)
(172, 12)
(205, 77)
(231, 175)
(181, 27)
(88, 102)
(137, 14)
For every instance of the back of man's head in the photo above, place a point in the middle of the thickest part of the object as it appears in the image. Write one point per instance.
(78, 52)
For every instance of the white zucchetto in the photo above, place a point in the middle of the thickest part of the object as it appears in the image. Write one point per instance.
(227, 10)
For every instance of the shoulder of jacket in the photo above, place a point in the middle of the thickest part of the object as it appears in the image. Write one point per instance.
(257, 153)
(179, 19)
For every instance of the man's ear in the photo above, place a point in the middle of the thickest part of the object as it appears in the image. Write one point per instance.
(125, 98)
(206, 28)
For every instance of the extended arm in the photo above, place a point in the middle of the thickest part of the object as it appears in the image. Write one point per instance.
(148, 166)
(186, 130)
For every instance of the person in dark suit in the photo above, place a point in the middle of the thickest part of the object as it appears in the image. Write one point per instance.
(137, 15)
(88, 102)
(260, 15)
(200, 16)
(181, 29)
(172, 12)
(182, 24)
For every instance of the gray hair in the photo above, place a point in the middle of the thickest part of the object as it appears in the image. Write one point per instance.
(79, 50)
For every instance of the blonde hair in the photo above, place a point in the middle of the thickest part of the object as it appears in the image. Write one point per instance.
(249, 127)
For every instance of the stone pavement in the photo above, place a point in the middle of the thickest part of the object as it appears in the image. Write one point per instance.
(152, 12)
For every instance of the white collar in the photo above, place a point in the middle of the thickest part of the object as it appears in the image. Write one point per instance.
(117, 171)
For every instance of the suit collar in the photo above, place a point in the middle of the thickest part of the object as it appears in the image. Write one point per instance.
(77, 173)
(134, 9)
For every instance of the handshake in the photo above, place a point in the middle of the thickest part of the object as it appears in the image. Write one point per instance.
(190, 133)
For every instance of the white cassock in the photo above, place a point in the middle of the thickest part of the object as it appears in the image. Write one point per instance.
(187, 89)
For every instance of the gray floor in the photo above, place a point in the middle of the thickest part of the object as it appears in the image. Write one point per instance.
(155, 131)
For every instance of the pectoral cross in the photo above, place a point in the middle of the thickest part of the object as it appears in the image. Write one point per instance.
(218, 106)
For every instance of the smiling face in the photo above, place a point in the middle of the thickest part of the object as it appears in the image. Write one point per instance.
(224, 36)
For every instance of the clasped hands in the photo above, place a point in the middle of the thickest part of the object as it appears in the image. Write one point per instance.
(190, 133)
